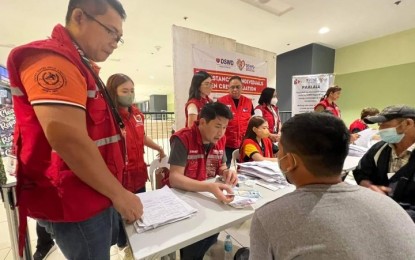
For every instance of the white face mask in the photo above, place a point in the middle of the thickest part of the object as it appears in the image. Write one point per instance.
(274, 101)
(390, 135)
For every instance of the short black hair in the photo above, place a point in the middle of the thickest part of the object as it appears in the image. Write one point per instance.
(95, 7)
(212, 110)
(320, 140)
(198, 78)
(235, 77)
(266, 96)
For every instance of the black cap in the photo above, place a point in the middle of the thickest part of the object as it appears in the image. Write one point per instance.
(391, 112)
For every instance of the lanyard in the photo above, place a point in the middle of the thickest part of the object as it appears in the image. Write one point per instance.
(104, 91)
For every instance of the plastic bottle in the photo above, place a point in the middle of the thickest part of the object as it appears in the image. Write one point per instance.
(228, 248)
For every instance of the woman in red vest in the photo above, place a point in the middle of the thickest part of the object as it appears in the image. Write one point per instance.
(327, 101)
(199, 91)
(268, 109)
(121, 91)
(256, 146)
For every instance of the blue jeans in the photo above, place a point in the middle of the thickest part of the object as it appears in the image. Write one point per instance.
(197, 250)
(122, 236)
(86, 240)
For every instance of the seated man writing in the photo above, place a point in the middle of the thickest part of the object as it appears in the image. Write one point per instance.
(325, 218)
(197, 153)
(389, 165)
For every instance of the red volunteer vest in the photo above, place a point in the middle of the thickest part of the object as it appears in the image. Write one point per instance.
(357, 126)
(269, 116)
(267, 145)
(333, 108)
(236, 129)
(200, 166)
(135, 175)
(199, 104)
(46, 187)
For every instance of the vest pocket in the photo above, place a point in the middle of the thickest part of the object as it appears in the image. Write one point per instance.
(97, 110)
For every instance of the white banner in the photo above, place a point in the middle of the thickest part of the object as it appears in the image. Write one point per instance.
(222, 65)
(307, 90)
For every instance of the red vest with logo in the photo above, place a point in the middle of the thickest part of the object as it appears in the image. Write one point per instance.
(199, 104)
(200, 165)
(267, 148)
(333, 108)
(269, 116)
(46, 187)
(135, 175)
(236, 129)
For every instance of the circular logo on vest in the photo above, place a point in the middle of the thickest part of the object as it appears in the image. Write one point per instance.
(50, 79)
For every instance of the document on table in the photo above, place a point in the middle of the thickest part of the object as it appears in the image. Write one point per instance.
(162, 207)
(238, 202)
(265, 170)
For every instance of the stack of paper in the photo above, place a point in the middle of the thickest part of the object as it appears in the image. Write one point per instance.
(265, 170)
(357, 151)
(162, 207)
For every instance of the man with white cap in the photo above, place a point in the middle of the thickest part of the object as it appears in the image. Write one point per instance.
(389, 165)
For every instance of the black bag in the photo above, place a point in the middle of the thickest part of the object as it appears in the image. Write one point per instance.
(242, 254)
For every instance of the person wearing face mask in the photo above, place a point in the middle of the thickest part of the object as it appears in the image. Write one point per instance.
(199, 92)
(256, 146)
(268, 109)
(327, 102)
(242, 109)
(121, 90)
(388, 167)
(325, 218)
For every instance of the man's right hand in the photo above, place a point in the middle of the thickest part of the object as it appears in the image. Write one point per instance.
(378, 188)
(128, 205)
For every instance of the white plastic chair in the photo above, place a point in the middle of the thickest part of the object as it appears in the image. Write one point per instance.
(235, 158)
(156, 164)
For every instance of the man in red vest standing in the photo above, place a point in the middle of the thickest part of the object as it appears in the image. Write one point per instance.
(69, 146)
(242, 109)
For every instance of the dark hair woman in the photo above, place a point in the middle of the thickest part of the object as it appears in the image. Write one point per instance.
(121, 90)
(199, 91)
(256, 146)
(268, 109)
(327, 101)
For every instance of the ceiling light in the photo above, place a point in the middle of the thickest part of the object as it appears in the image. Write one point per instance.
(323, 30)
(277, 7)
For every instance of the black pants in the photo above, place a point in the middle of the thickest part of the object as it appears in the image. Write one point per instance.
(197, 250)
(44, 239)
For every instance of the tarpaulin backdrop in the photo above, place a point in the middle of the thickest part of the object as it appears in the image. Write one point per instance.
(222, 65)
(307, 90)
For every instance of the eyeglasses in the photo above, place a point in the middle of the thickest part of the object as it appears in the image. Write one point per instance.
(235, 87)
(111, 32)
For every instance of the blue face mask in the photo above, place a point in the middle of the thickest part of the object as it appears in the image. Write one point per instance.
(390, 135)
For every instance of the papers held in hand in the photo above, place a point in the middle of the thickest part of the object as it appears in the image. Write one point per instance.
(162, 207)
(265, 170)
